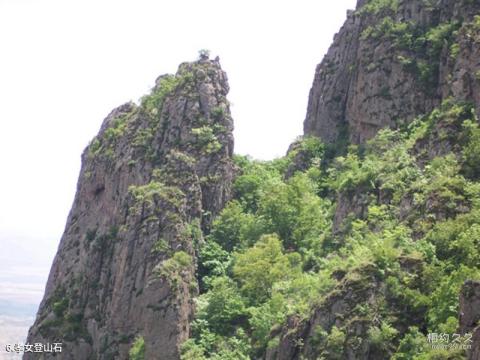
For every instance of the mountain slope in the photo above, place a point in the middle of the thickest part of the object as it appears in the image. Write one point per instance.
(375, 244)
(363, 242)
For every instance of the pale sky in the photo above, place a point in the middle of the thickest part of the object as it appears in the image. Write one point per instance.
(65, 64)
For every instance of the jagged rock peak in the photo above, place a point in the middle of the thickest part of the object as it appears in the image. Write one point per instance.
(151, 179)
(392, 61)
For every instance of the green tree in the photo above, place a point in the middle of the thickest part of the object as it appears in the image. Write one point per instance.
(263, 317)
(213, 261)
(412, 344)
(294, 211)
(225, 307)
(234, 228)
(137, 351)
(259, 267)
(471, 151)
(334, 347)
(445, 296)
(249, 185)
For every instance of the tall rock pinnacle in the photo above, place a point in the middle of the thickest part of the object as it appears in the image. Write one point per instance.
(150, 181)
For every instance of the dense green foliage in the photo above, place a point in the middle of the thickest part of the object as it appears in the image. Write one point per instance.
(376, 6)
(276, 252)
(137, 351)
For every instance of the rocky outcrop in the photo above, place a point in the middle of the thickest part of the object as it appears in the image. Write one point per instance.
(310, 339)
(150, 181)
(470, 316)
(391, 62)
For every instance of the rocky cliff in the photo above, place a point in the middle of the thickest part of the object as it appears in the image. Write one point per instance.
(150, 182)
(391, 64)
(392, 61)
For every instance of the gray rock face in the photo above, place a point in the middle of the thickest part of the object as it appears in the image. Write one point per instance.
(384, 68)
(150, 181)
(470, 315)
(303, 339)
